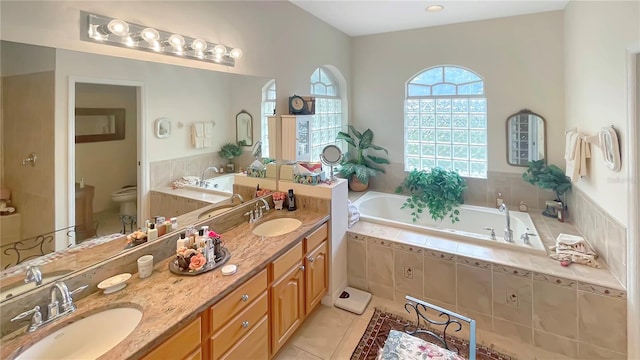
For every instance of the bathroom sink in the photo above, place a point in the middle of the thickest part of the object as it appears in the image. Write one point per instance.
(86, 338)
(277, 227)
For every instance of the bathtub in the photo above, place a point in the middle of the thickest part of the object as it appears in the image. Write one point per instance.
(222, 185)
(385, 209)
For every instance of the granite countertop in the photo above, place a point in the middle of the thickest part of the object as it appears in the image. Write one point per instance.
(170, 301)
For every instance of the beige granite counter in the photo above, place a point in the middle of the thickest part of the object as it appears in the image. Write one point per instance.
(170, 301)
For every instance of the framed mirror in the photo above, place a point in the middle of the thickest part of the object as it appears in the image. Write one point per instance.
(163, 128)
(244, 128)
(525, 138)
(94, 125)
(331, 156)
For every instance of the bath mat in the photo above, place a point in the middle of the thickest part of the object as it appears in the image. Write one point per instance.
(382, 322)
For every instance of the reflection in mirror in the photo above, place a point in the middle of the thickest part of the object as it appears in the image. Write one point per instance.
(99, 124)
(331, 156)
(244, 128)
(525, 138)
(163, 128)
(36, 202)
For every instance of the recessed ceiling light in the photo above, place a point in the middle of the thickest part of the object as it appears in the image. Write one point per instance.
(434, 8)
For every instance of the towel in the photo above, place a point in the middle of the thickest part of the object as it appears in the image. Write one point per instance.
(577, 151)
(202, 135)
(354, 214)
(574, 249)
(571, 140)
(208, 130)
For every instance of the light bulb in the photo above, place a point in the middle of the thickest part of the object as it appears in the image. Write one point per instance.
(150, 35)
(118, 27)
(235, 53)
(177, 41)
(199, 45)
(219, 50)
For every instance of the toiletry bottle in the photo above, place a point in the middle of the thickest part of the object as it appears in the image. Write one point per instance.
(200, 239)
(152, 233)
(210, 251)
(561, 213)
(499, 200)
(182, 241)
(217, 244)
(167, 227)
(160, 228)
(82, 183)
(174, 223)
(291, 201)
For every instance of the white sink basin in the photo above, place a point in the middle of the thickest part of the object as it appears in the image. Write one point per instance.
(277, 227)
(86, 338)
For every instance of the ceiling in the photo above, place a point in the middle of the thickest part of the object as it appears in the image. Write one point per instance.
(364, 17)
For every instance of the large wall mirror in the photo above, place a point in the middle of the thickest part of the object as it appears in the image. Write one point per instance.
(525, 138)
(99, 124)
(41, 218)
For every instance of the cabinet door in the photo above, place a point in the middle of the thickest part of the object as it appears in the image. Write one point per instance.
(316, 272)
(182, 345)
(287, 306)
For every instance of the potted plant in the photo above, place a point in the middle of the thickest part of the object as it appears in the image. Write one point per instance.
(278, 199)
(438, 191)
(548, 177)
(362, 165)
(230, 151)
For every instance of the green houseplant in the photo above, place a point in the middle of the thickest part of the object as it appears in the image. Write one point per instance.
(230, 151)
(359, 166)
(548, 177)
(438, 191)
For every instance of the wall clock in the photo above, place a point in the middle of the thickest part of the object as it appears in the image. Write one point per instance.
(296, 105)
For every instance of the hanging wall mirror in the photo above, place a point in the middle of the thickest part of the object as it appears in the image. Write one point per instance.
(244, 128)
(525, 138)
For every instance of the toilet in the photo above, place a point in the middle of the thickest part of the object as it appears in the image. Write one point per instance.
(127, 197)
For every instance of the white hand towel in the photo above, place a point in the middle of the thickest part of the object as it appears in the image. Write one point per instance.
(208, 129)
(199, 129)
(571, 140)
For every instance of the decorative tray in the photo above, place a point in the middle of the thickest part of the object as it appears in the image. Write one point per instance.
(220, 260)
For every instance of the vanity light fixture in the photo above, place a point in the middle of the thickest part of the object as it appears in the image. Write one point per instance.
(106, 30)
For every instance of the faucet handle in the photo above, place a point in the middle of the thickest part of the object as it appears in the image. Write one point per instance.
(78, 289)
(36, 319)
(34, 311)
(493, 232)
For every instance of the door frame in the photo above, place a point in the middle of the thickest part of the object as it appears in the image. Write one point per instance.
(142, 172)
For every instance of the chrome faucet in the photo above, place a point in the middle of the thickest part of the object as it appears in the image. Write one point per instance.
(266, 204)
(203, 183)
(508, 233)
(33, 275)
(237, 196)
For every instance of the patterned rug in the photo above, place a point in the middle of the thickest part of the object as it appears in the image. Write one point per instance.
(382, 322)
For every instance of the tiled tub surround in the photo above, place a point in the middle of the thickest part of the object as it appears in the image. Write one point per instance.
(170, 301)
(576, 311)
(603, 232)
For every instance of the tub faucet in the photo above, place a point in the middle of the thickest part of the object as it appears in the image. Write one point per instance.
(33, 275)
(508, 233)
(203, 183)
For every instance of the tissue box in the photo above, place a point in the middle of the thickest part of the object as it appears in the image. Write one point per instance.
(314, 179)
(257, 173)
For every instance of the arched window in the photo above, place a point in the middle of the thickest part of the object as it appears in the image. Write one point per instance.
(445, 121)
(327, 121)
(268, 109)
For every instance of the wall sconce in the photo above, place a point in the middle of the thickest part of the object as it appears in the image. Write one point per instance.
(106, 30)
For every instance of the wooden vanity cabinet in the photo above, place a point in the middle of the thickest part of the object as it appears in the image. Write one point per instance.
(238, 323)
(183, 345)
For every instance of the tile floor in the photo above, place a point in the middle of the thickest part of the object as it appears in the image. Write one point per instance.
(330, 333)
(108, 222)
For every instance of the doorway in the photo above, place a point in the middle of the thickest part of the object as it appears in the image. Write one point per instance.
(105, 170)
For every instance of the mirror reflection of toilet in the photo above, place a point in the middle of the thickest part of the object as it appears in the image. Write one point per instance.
(127, 197)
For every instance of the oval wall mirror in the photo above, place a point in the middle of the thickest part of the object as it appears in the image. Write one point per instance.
(244, 128)
(525, 138)
(331, 156)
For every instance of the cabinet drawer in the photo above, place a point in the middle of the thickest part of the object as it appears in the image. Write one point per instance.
(315, 238)
(282, 264)
(179, 346)
(254, 346)
(238, 300)
(238, 326)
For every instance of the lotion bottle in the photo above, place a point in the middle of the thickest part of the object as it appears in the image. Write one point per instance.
(182, 241)
(152, 233)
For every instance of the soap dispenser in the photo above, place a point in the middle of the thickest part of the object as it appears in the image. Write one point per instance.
(291, 201)
(499, 200)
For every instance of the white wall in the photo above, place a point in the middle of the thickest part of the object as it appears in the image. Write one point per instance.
(520, 59)
(596, 37)
(108, 165)
(19, 59)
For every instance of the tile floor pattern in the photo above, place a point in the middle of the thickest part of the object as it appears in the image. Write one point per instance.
(330, 333)
(108, 222)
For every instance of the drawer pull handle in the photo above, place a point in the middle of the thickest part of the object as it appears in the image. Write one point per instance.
(301, 268)
(245, 297)
(245, 324)
(311, 259)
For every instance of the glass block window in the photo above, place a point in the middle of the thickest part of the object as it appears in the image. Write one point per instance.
(445, 121)
(268, 109)
(327, 121)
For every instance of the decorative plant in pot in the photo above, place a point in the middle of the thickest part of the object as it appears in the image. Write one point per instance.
(230, 151)
(278, 199)
(548, 177)
(437, 191)
(359, 166)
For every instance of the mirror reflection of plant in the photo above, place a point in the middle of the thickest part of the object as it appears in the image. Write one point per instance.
(548, 177)
(437, 191)
(229, 151)
(360, 163)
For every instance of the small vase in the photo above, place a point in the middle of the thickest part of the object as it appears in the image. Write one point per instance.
(278, 204)
(356, 185)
